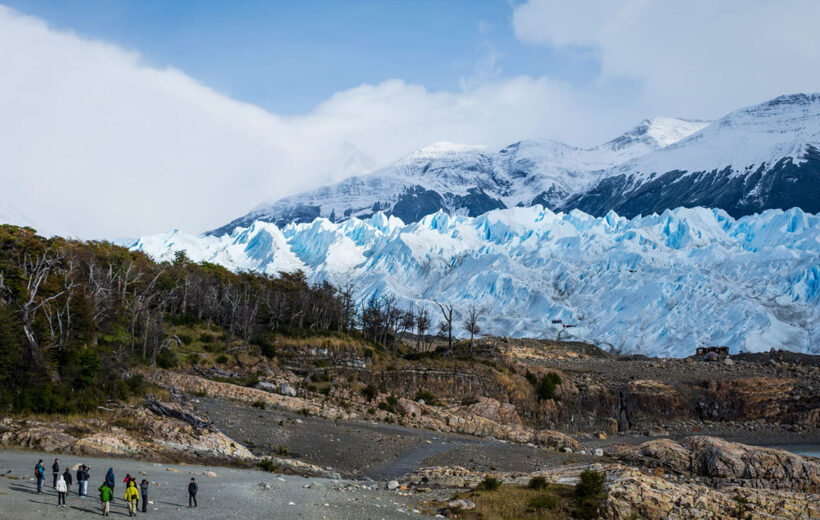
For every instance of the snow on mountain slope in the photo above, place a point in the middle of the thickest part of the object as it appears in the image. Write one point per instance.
(469, 180)
(660, 284)
(760, 157)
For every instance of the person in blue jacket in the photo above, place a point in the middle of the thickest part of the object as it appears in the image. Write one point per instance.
(40, 475)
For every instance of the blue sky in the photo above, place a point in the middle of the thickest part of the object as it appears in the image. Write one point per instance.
(289, 56)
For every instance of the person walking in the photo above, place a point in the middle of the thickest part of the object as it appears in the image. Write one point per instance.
(55, 471)
(132, 496)
(61, 491)
(110, 481)
(105, 497)
(192, 489)
(40, 475)
(68, 481)
(144, 495)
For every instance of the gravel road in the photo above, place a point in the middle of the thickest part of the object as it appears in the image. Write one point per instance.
(235, 493)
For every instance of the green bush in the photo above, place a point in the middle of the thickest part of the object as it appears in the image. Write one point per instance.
(532, 378)
(537, 483)
(590, 492)
(267, 465)
(370, 392)
(206, 338)
(546, 387)
(167, 359)
(489, 484)
(368, 352)
(222, 359)
(259, 404)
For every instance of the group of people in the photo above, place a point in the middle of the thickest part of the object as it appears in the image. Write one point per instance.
(133, 495)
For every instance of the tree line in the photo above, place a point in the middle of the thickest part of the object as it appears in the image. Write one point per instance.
(76, 316)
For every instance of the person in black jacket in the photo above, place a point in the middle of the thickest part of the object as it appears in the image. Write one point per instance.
(68, 482)
(192, 489)
(55, 471)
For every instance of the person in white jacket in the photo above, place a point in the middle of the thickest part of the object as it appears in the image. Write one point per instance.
(61, 488)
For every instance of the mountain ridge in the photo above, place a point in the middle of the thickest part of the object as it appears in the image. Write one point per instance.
(469, 179)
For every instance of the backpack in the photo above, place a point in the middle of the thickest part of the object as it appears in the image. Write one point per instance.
(38, 471)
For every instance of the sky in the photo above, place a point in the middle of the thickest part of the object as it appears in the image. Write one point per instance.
(123, 118)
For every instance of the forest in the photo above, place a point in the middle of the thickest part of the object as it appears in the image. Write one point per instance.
(77, 318)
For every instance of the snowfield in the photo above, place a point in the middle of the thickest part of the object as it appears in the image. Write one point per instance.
(656, 285)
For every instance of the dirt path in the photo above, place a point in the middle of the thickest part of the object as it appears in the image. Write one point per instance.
(235, 493)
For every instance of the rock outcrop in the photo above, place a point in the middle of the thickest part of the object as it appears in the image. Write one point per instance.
(725, 464)
(634, 494)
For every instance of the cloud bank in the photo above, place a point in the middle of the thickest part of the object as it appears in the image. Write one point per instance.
(697, 56)
(94, 143)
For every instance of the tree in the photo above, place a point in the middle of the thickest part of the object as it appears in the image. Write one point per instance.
(447, 323)
(422, 326)
(471, 323)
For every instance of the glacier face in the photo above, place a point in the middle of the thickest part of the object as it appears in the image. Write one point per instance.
(657, 285)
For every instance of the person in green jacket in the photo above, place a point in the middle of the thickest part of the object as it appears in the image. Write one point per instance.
(105, 497)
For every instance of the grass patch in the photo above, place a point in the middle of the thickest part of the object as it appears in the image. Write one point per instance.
(520, 503)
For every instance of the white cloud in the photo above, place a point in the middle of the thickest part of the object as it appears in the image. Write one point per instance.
(94, 143)
(696, 57)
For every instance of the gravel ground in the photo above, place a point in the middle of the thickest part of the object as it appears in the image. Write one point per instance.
(363, 449)
(235, 493)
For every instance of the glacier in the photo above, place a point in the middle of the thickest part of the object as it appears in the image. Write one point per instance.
(657, 285)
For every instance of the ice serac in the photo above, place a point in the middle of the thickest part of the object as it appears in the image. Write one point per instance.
(466, 180)
(658, 284)
(761, 157)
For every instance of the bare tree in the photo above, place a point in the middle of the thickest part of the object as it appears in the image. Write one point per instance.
(471, 323)
(447, 325)
(422, 326)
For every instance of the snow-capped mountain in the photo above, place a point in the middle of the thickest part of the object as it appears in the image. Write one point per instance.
(661, 284)
(760, 157)
(470, 180)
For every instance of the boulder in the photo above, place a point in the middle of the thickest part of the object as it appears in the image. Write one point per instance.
(557, 440)
(462, 504)
(267, 386)
(286, 389)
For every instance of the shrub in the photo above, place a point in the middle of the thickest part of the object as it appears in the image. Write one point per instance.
(537, 483)
(532, 378)
(185, 339)
(321, 363)
(259, 404)
(167, 359)
(368, 352)
(370, 392)
(282, 450)
(489, 484)
(222, 359)
(591, 484)
(589, 493)
(267, 465)
(206, 338)
(427, 396)
(546, 387)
